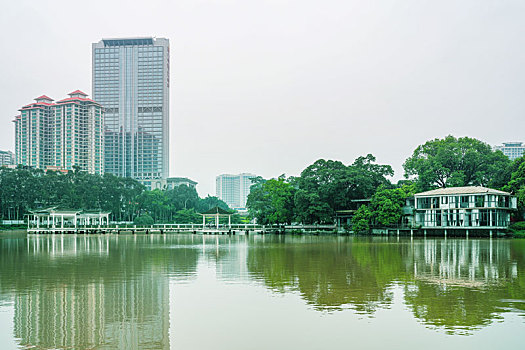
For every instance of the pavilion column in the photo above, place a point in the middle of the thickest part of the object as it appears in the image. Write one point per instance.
(217, 221)
(75, 220)
(229, 221)
(203, 221)
(38, 222)
(62, 221)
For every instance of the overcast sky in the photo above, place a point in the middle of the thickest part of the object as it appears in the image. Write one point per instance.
(271, 86)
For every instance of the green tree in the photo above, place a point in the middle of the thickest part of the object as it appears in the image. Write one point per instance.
(182, 197)
(387, 205)
(209, 202)
(516, 185)
(309, 208)
(328, 185)
(187, 216)
(361, 220)
(143, 220)
(457, 162)
(272, 201)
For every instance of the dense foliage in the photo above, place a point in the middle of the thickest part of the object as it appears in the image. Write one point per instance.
(453, 162)
(385, 208)
(323, 187)
(516, 185)
(25, 189)
(327, 186)
(272, 201)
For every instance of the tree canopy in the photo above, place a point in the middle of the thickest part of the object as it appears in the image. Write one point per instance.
(271, 202)
(23, 189)
(460, 161)
(322, 188)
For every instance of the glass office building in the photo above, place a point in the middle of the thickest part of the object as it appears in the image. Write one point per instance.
(512, 150)
(234, 189)
(131, 81)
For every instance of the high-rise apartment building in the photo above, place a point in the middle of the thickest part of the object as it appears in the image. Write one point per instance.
(131, 81)
(512, 150)
(234, 189)
(7, 158)
(61, 135)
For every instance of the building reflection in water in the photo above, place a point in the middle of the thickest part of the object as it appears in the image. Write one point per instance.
(458, 285)
(113, 291)
(461, 285)
(101, 292)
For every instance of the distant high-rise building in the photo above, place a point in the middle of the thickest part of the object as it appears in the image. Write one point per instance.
(234, 189)
(131, 81)
(7, 158)
(61, 135)
(512, 150)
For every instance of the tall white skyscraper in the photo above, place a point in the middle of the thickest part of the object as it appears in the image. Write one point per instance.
(131, 81)
(234, 189)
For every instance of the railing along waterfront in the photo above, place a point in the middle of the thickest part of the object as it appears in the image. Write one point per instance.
(114, 228)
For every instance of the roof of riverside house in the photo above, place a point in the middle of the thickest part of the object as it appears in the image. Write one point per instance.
(461, 190)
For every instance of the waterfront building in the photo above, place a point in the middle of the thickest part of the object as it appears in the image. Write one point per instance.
(234, 189)
(512, 150)
(7, 158)
(131, 81)
(60, 135)
(472, 207)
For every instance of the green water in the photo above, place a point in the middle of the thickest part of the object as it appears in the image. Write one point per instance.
(260, 292)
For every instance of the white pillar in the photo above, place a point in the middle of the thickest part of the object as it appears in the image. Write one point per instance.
(217, 220)
(61, 221)
(229, 221)
(203, 221)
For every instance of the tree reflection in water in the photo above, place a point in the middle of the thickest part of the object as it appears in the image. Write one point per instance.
(113, 291)
(458, 285)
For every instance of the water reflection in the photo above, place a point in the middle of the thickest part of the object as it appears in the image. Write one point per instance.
(114, 291)
(462, 285)
(459, 285)
(87, 292)
(329, 275)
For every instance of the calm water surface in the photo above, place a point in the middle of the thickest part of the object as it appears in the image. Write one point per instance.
(260, 292)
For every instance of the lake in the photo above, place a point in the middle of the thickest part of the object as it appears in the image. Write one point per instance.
(260, 292)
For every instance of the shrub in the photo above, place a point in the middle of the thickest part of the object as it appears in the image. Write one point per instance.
(143, 220)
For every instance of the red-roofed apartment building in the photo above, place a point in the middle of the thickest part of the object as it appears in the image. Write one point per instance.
(61, 135)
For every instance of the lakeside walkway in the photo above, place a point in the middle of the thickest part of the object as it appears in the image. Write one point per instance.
(233, 229)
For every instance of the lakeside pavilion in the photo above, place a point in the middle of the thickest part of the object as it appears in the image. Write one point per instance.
(66, 218)
(216, 213)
